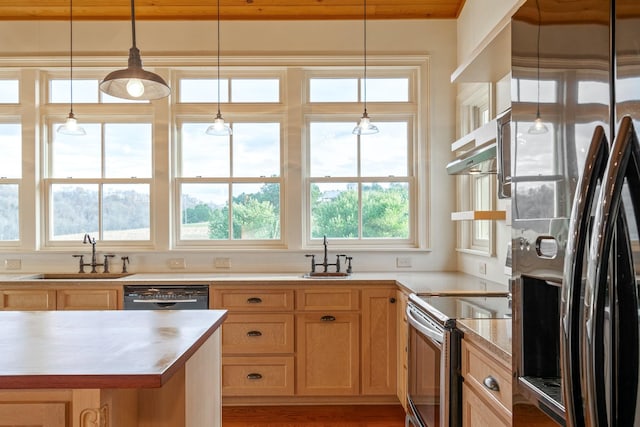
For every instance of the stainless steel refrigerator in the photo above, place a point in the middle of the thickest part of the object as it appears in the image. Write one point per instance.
(575, 211)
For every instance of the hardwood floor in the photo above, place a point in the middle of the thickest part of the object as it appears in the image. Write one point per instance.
(313, 416)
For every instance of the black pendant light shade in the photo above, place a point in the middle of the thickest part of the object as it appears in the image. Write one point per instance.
(134, 82)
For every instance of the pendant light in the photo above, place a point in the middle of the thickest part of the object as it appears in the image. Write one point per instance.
(365, 127)
(134, 82)
(538, 127)
(219, 127)
(70, 127)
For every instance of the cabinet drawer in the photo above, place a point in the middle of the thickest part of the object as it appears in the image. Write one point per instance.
(476, 413)
(87, 299)
(327, 299)
(28, 299)
(258, 333)
(249, 300)
(257, 376)
(482, 373)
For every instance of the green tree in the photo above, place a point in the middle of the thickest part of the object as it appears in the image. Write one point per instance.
(199, 213)
(385, 213)
(337, 217)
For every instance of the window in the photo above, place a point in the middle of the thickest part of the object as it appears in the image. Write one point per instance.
(9, 91)
(10, 179)
(84, 91)
(100, 183)
(360, 188)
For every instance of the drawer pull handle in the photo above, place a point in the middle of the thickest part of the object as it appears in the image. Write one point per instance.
(254, 376)
(328, 318)
(254, 334)
(491, 383)
(254, 300)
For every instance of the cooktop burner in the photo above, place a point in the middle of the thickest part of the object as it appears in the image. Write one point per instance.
(451, 307)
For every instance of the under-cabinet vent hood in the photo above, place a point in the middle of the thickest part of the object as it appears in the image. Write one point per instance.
(480, 160)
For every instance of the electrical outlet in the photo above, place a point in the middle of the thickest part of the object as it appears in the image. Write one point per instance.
(403, 262)
(482, 268)
(222, 262)
(177, 263)
(12, 264)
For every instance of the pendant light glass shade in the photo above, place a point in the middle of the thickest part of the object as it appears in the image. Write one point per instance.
(364, 127)
(71, 127)
(219, 127)
(134, 82)
(538, 127)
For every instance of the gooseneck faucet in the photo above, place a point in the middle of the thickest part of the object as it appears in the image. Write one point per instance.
(325, 264)
(94, 263)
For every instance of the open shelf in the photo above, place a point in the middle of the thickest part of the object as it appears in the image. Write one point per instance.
(478, 215)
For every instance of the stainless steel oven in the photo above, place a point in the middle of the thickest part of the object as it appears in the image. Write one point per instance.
(166, 297)
(434, 386)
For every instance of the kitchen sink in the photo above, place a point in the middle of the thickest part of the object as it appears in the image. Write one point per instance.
(77, 276)
(326, 275)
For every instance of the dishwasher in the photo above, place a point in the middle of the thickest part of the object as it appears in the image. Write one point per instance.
(166, 297)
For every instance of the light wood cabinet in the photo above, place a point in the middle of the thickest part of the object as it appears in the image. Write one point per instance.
(87, 299)
(327, 353)
(402, 349)
(28, 299)
(25, 414)
(486, 395)
(379, 341)
(257, 341)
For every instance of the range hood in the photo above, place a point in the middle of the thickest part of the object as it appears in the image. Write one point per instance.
(480, 160)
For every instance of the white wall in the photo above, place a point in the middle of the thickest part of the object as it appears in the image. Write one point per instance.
(22, 43)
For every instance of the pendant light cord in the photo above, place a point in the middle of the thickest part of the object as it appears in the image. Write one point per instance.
(133, 22)
(218, 52)
(538, 58)
(365, 55)
(71, 55)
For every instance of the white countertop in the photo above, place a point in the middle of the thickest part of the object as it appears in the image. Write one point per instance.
(419, 282)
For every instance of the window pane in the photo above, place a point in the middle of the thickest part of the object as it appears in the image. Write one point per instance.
(77, 156)
(74, 210)
(84, 91)
(9, 212)
(204, 211)
(201, 154)
(628, 89)
(127, 150)
(256, 211)
(9, 91)
(385, 153)
(385, 210)
(529, 91)
(333, 90)
(333, 149)
(536, 153)
(387, 90)
(108, 99)
(334, 210)
(255, 90)
(203, 90)
(126, 212)
(256, 149)
(11, 149)
(593, 92)
(482, 202)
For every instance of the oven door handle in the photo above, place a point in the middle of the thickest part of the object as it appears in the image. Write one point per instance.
(426, 330)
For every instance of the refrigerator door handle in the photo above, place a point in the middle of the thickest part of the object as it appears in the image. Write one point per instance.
(610, 323)
(571, 306)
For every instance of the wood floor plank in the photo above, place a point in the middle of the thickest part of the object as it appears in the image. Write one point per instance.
(313, 416)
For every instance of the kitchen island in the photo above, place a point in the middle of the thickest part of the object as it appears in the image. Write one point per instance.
(110, 368)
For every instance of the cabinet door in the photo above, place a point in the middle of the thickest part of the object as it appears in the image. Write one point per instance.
(28, 299)
(477, 413)
(327, 353)
(379, 341)
(33, 414)
(87, 299)
(403, 347)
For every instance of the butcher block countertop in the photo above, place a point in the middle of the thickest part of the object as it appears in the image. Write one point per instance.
(100, 349)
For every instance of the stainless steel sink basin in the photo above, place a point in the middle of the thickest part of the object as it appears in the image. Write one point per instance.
(77, 276)
(326, 275)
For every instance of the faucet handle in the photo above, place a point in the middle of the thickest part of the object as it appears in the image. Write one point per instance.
(81, 270)
(106, 262)
(313, 262)
(125, 261)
